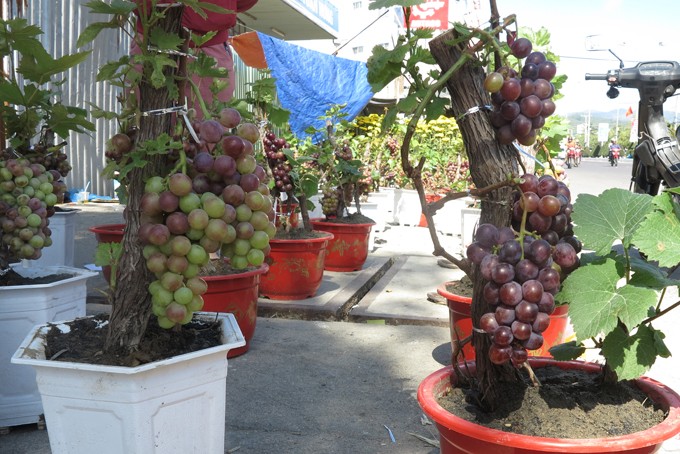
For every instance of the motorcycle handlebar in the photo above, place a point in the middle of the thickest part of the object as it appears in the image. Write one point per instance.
(590, 76)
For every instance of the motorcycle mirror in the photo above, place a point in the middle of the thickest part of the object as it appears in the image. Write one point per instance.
(612, 93)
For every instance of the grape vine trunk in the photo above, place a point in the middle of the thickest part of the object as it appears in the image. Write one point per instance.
(490, 163)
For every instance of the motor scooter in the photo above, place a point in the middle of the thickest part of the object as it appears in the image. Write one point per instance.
(656, 158)
(614, 157)
(571, 157)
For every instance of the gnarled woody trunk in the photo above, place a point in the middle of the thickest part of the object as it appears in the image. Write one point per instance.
(490, 163)
(131, 304)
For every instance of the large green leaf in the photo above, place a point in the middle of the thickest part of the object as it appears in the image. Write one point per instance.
(42, 69)
(567, 351)
(92, 31)
(111, 7)
(377, 4)
(596, 304)
(64, 119)
(613, 215)
(630, 356)
(164, 40)
(659, 234)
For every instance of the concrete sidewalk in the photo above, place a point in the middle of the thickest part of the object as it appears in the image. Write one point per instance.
(312, 382)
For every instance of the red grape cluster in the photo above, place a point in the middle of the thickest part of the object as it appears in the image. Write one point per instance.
(344, 152)
(523, 272)
(521, 102)
(28, 194)
(220, 205)
(39, 154)
(277, 161)
(392, 145)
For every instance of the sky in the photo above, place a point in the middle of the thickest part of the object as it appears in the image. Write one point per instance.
(636, 30)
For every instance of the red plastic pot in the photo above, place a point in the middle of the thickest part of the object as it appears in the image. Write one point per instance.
(293, 214)
(348, 249)
(429, 198)
(108, 233)
(295, 268)
(457, 435)
(237, 294)
(460, 324)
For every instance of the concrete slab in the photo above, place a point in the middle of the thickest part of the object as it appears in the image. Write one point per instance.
(400, 297)
(338, 292)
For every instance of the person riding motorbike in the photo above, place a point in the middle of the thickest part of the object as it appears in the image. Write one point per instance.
(614, 152)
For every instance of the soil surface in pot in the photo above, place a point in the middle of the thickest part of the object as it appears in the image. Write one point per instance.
(13, 278)
(298, 234)
(463, 287)
(568, 404)
(218, 267)
(353, 218)
(85, 342)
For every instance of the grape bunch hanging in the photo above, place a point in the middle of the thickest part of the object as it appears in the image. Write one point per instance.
(277, 161)
(219, 204)
(521, 101)
(28, 195)
(524, 266)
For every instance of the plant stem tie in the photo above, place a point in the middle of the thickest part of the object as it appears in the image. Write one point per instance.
(471, 110)
(182, 110)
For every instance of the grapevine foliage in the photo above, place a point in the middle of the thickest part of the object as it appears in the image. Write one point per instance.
(614, 296)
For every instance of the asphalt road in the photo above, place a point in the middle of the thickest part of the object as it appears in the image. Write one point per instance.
(594, 175)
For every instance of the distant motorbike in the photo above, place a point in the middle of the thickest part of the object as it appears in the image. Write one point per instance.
(571, 158)
(614, 157)
(656, 158)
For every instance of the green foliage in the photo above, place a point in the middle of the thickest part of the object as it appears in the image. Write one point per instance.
(32, 104)
(614, 296)
(108, 254)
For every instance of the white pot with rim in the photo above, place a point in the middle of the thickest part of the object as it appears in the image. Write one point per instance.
(176, 405)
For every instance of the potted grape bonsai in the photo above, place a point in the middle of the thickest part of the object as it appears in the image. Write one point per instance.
(515, 260)
(343, 183)
(298, 251)
(174, 219)
(32, 167)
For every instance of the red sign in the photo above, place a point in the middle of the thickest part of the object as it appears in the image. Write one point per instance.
(432, 14)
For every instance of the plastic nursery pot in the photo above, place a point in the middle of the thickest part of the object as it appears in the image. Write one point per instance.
(108, 233)
(293, 214)
(457, 435)
(236, 294)
(295, 268)
(348, 250)
(460, 324)
(429, 198)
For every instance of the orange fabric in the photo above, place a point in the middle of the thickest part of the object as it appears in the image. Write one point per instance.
(249, 48)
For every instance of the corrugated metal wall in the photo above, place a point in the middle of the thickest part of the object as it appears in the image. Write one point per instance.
(62, 21)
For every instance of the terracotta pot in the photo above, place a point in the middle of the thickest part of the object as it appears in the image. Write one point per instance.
(108, 233)
(457, 435)
(348, 249)
(236, 294)
(460, 324)
(295, 268)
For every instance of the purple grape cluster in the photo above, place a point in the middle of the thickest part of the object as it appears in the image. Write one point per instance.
(277, 161)
(521, 101)
(523, 272)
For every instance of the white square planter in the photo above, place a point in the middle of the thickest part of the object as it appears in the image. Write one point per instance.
(172, 406)
(407, 208)
(21, 308)
(469, 221)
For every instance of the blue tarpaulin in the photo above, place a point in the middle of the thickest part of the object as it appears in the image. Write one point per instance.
(309, 83)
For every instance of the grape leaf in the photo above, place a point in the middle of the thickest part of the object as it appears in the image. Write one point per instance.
(613, 215)
(630, 356)
(568, 350)
(596, 304)
(659, 234)
(647, 274)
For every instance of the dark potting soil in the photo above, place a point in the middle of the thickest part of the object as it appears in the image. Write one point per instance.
(12, 278)
(85, 342)
(463, 287)
(353, 218)
(298, 234)
(568, 404)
